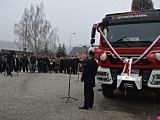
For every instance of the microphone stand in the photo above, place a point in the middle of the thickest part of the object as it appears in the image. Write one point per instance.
(69, 97)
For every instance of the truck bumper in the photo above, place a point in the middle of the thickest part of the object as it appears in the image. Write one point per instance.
(136, 79)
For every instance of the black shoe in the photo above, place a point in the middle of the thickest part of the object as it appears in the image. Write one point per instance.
(90, 106)
(86, 108)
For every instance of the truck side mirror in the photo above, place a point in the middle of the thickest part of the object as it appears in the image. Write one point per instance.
(93, 33)
(92, 41)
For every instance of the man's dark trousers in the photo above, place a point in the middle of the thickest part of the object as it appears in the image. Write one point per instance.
(88, 95)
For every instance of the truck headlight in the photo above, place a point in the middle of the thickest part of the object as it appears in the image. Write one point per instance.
(103, 76)
(156, 79)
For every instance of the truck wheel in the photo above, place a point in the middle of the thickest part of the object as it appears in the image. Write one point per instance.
(107, 90)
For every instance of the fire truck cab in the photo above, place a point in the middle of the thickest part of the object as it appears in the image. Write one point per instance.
(128, 51)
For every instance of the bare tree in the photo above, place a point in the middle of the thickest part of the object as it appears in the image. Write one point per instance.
(34, 32)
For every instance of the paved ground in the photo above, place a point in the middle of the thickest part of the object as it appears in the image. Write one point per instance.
(37, 96)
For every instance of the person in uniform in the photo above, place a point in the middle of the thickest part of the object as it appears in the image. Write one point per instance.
(17, 63)
(88, 77)
(1, 62)
(51, 64)
(65, 64)
(25, 62)
(68, 65)
(33, 60)
(57, 65)
(45, 64)
(10, 63)
(62, 64)
(40, 60)
(75, 62)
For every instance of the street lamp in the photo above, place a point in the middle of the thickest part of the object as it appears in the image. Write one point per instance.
(70, 40)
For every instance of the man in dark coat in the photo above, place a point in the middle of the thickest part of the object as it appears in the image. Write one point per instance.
(33, 63)
(62, 64)
(40, 60)
(1, 62)
(68, 65)
(17, 63)
(25, 62)
(88, 77)
(45, 64)
(10, 63)
(75, 62)
(65, 64)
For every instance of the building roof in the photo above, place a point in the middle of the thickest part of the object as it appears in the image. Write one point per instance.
(78, 50)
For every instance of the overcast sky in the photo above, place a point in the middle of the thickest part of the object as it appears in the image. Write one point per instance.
(69, 16)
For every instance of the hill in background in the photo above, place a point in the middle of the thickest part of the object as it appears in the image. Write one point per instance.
(9, 45)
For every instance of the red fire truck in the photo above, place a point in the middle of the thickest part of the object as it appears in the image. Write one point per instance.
(128, 52)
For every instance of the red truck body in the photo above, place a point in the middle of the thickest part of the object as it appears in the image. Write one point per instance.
(129, 51)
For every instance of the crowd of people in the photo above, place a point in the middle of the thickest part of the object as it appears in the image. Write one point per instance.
(69, 65)
(39, 63)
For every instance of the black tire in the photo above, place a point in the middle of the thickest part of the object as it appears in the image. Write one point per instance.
(107, 90)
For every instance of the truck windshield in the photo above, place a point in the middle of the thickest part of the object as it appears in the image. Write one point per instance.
(142, 34)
